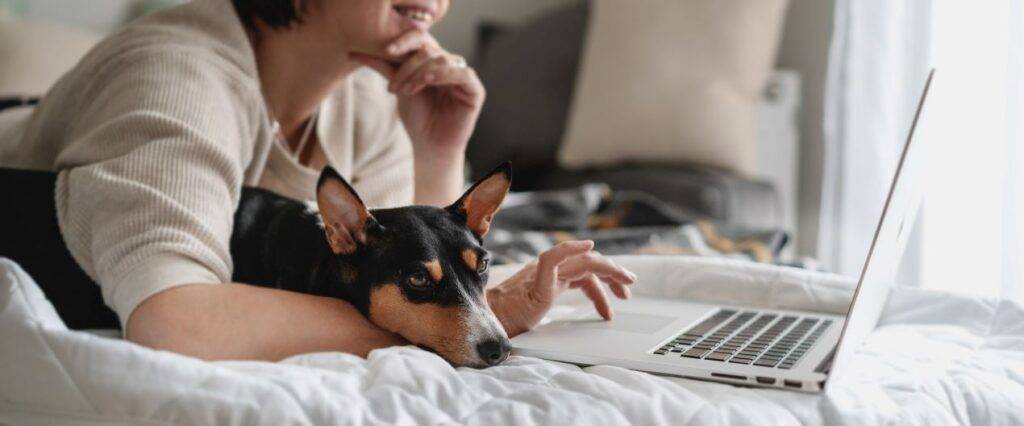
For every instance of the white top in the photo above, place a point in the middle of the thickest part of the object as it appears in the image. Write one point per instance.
(157, 129)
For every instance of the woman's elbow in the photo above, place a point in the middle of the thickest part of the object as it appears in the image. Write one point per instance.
(172, 320)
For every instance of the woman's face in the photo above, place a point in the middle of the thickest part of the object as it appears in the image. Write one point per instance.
(367, 26)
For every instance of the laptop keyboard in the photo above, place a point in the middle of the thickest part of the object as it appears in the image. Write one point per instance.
(748, 337)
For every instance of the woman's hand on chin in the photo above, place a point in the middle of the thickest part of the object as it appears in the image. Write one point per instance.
(439, 96)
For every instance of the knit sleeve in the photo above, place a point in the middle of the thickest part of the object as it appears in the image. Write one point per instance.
(151, 176)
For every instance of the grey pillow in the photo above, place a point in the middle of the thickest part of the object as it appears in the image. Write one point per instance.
(529, 71)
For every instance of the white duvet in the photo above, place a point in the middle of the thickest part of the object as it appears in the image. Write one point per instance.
(934, 359)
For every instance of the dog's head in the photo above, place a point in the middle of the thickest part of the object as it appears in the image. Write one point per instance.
(420, 271)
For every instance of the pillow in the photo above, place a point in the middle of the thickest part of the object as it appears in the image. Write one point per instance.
(36, 54)
(672, 81)
(529, 70)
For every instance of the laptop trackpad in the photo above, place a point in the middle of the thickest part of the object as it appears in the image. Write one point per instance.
(629, 322)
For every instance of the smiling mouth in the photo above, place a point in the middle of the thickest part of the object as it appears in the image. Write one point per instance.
(415, 14)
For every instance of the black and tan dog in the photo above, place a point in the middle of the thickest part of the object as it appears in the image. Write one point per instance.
(417, 271)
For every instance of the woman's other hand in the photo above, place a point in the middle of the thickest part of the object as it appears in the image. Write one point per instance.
(521, 301)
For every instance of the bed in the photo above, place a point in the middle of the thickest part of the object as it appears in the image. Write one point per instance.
(934, 359)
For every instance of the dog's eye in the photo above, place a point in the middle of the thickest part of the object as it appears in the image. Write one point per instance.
(418, 280)
(483, 264)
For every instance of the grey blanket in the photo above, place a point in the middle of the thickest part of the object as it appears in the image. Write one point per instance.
(619, 222)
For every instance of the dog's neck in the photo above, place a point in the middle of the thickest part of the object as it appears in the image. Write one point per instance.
(280, 243)
(304, 261)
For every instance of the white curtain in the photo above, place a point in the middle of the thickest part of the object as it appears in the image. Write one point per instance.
(878, 64)
(970, 233)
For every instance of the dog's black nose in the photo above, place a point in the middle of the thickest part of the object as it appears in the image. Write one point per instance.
(494, 351)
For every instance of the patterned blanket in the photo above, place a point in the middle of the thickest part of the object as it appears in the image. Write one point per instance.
(620, 222)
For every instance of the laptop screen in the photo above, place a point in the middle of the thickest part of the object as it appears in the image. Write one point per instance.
(891, 235)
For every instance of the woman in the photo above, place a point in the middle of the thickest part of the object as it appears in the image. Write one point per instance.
(155, 131)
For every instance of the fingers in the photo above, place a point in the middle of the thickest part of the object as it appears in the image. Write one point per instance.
(594, 263)
(407, 69)
(544, 287)
(592, 288)
(410, 42)
(445, 71)
(620, 290)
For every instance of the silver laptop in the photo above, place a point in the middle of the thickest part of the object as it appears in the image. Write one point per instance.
(743, 344)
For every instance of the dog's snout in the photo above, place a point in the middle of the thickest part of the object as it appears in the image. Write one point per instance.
(493, 351)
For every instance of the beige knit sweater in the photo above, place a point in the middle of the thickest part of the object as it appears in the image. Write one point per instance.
(157, 129)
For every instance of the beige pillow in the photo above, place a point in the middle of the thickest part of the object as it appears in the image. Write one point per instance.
(33, 55)
(672, 81)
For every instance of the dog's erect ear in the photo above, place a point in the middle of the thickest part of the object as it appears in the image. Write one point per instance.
(346, 219)
(482, 200)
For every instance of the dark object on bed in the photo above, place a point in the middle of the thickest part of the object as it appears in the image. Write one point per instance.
(530, 72)
(28, 204)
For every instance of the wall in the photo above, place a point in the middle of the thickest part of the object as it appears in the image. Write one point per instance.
(805, 45)
(98, 16)
(457, 32)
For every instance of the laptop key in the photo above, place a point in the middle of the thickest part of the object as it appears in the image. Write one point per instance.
(735, 360)
(717, 356)
(695, 353)
(765, 362)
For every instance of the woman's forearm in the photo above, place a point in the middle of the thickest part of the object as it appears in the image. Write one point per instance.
(238, 321)
(439, 178)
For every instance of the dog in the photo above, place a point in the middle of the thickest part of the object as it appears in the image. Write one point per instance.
(416, 271)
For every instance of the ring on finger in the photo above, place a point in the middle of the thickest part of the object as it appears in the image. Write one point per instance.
(458, 61)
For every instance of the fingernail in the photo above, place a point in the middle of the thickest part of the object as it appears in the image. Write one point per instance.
(393, 49)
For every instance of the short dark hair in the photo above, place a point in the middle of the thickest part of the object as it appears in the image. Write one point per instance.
(274, 13)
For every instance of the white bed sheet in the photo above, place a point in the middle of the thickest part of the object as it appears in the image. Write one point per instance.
(935, 359)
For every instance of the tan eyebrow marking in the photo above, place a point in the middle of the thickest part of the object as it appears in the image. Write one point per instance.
(434, 268)
(469, 256)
